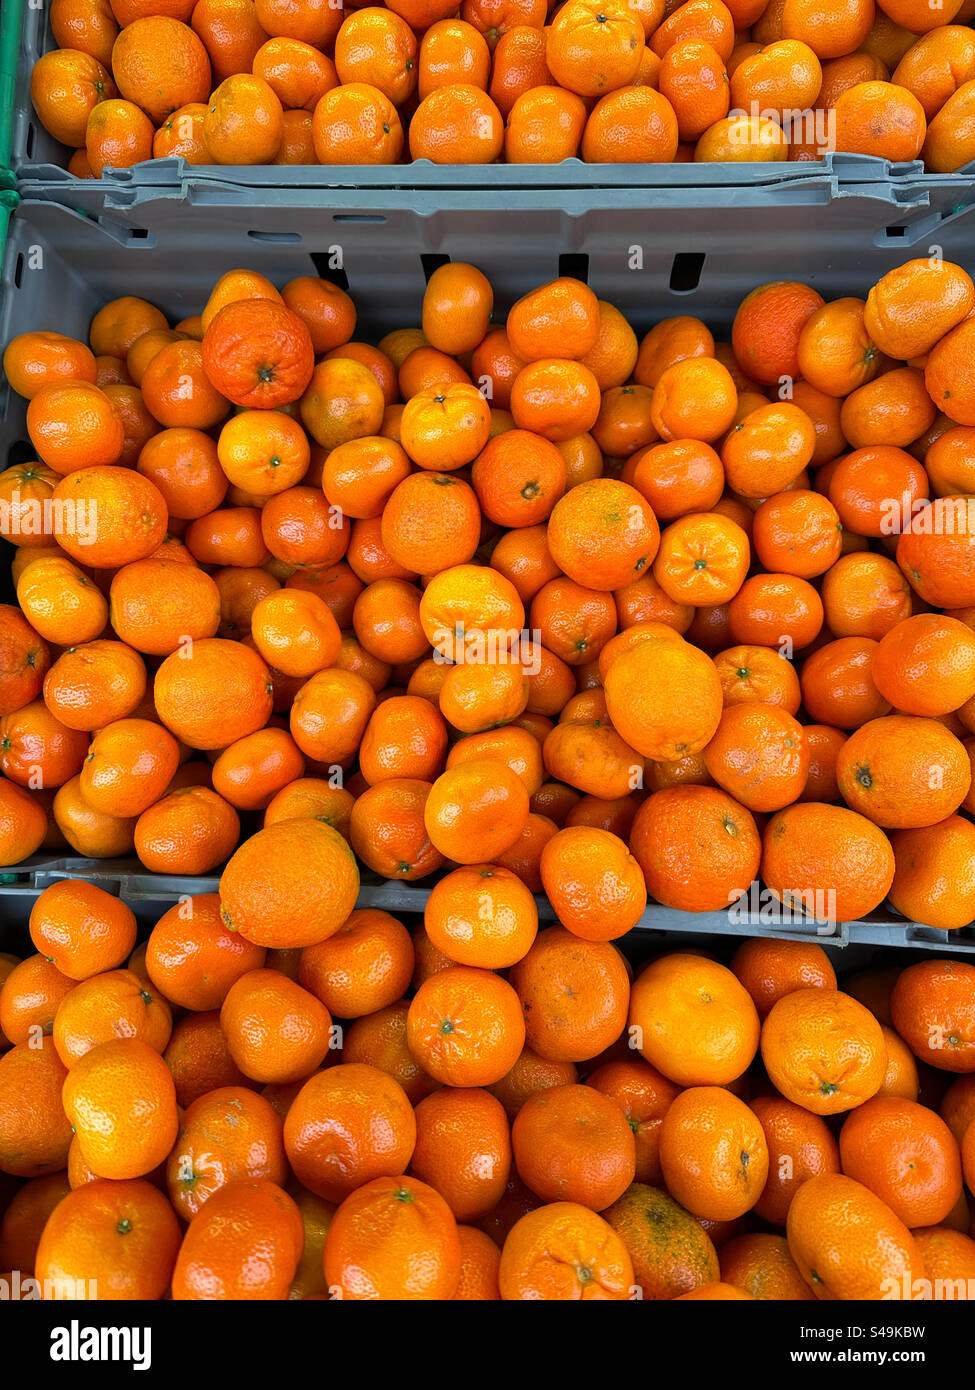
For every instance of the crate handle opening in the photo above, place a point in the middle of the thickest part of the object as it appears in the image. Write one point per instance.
(285, 238)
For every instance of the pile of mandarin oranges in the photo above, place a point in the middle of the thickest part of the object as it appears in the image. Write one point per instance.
(299, 82)
(556, 619)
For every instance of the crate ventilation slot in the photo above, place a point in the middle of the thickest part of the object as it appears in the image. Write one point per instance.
(576, 265)
(326, 269)
(431, 261)
(685, 273)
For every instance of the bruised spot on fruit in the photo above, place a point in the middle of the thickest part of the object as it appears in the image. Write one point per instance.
(864, 777)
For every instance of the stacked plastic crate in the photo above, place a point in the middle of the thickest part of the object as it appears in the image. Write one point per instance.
(657, 239)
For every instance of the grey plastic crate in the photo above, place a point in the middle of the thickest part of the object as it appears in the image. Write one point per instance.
(170, 246)
(682, 932)
(35, 156)
(127, 879)
(172, 243)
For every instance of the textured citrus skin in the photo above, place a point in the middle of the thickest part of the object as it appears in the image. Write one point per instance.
(800, 1146)
(664, 700)
(671, 1252)
(848, 1244)
(823, 1050)
(573, 1143)
(216, 1259)
(348, 1125)
(698, 847)
(933, 1009)
(831, 853)
(81, 928)
(121, 1235)
(695, 1022)
(291, 884)
(907, 1155)
(565, 1252)
(228, 1133)
(121, 1100)
(590, 980)
(35, 1134)
(713, 1153)
(219, 692)
(465, 1026)
(394, 1238)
